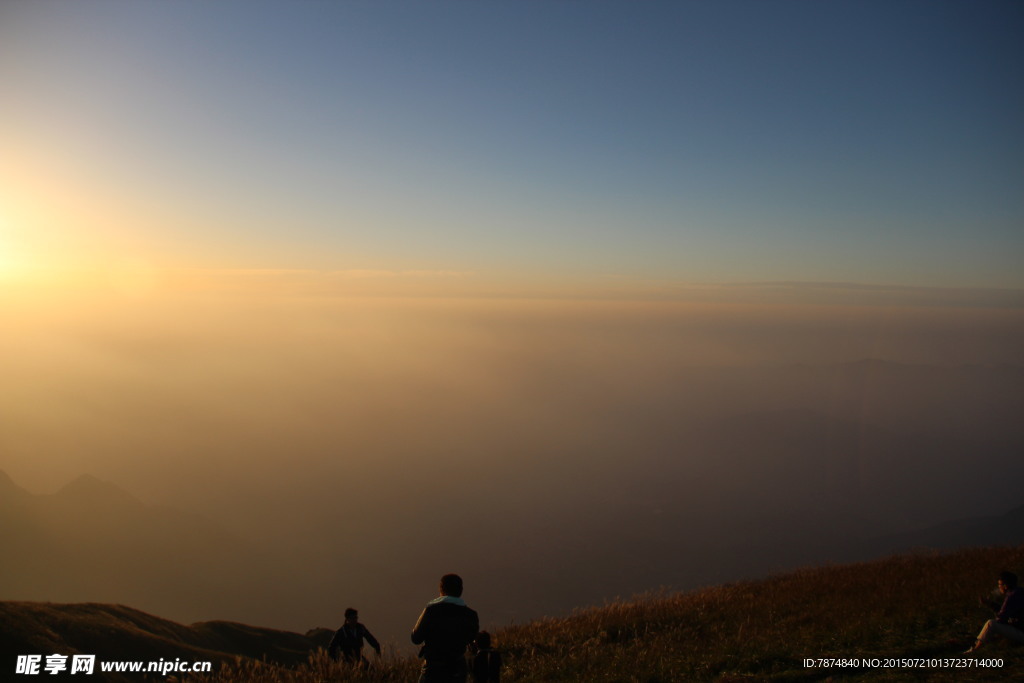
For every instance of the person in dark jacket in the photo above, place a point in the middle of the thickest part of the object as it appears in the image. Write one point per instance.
(486, 660)
(348, 640)
(445, 628)
(1009, 619)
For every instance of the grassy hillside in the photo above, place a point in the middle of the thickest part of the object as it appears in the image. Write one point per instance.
(911, 606)
(115, 632)
(902, 607)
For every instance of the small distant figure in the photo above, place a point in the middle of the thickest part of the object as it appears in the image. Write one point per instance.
(347, 643)
(1009, 619)
(445, 629)
(486, 660)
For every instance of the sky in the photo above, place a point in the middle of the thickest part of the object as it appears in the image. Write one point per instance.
(872, 143)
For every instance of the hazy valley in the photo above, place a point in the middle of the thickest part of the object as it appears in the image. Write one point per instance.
(726, 474)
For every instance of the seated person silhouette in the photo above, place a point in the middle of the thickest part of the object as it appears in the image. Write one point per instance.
(1009, 618)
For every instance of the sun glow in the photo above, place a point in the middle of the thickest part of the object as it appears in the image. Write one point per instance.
(36, 242)
(12, 258)
(23, 257)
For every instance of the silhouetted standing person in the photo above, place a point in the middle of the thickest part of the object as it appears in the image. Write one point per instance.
(348, 640)
(445, 628)
(1009, 619)
(486, 660)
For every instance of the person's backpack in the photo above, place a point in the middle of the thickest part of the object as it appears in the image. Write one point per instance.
(487, 666)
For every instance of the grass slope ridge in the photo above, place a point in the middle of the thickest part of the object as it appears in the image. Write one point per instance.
(116, 632)
(907, 606)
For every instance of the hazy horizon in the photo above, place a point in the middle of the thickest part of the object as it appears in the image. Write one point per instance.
(590, 430)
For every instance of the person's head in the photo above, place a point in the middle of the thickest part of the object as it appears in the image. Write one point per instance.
(1007, 581)
(483, 640)
(351, 615)
(451, 584)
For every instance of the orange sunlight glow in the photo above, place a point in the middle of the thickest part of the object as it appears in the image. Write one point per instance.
(13, 258)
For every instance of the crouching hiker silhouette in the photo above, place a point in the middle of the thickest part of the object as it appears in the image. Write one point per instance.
(445, 628)
(1009, 619)
(348, 640)
(486, 660)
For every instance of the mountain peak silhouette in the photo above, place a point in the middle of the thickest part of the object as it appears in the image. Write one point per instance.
(10, 490)
(87, 489)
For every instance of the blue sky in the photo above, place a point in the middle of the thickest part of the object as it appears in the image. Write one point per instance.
(870, 142)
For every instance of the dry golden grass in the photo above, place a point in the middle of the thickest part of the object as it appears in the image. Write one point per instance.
(319, 668)
(910, 606)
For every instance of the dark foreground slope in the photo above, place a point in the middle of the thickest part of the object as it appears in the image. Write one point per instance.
(903, 607)
(911, 607)
(118, 633)
(921, 608)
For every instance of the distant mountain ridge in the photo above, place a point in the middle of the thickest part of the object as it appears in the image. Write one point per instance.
(92, 540)
(88, 490)
(1004, 529)
(117, 633)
